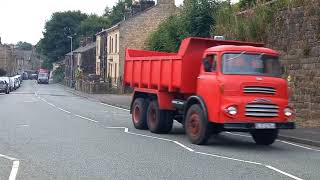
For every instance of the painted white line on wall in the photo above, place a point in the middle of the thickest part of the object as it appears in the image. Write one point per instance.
(115, 107)
(15, 166)
(14, 170)
(286, 142)
(284, 173)
(86, 118)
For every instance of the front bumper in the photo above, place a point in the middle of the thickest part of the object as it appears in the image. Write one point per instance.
(251, 126)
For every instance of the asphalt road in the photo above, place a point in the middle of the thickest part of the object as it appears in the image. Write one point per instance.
(49, 133)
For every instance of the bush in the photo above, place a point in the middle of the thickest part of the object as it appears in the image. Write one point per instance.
(250, 27)
(195, 19)
(58, 75)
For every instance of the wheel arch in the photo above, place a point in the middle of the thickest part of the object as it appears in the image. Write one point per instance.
(195, 100)
(144, 95)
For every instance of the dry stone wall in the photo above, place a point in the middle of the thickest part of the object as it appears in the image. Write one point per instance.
(295, 32)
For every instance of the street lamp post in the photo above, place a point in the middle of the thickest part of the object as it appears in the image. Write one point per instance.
(71, 59)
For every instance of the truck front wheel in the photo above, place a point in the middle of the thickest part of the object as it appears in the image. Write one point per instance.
(139, 113)
(265, 137)
(159, 121)
(197, 126)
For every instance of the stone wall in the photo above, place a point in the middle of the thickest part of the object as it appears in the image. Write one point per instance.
(295, 32)
(7, 61)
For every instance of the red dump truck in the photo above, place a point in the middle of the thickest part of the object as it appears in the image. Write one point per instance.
(210, 86)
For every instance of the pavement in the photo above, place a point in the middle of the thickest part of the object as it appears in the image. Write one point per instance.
(47, 132)
(308, 136)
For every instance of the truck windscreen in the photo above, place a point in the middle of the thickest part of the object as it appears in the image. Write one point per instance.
(251, 64)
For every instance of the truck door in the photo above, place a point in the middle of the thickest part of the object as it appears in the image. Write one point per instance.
(208, 86)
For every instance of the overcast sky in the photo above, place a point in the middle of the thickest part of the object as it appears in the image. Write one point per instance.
(23, 20)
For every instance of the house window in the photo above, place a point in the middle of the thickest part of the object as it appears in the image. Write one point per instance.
(115, 72)
(116, 44)
(98, 68)
(110, 44)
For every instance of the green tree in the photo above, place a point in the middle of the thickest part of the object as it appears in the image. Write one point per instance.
(118, 11)
(55, 43)
(195, 19)
(168, 36)
(58, 74)
(93, 24)
(24, 46)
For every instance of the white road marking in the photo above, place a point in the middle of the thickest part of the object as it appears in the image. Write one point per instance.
(286, 142)
(284, 173)
(14, 170)
(115, 107)
(184, 146)
(238, 134)
(86, 118)
(229, 158)
(24, 125)
(64, 110)
(15, 166)
(208, 154)
(304, 147)
(126, 130)
(7, 157)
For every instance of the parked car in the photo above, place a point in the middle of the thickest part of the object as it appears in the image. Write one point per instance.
(33, 76)
(4, 87)
(10, 82)
(16, 83)
(19, 77)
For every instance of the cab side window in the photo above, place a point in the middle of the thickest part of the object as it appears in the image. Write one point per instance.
(210, 63)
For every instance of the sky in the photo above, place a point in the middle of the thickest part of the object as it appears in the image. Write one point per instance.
(24, 20)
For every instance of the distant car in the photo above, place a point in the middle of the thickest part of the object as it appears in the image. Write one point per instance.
(43, 78)
(4, 87)
(10, 81)
(33, 76)
(16, 83)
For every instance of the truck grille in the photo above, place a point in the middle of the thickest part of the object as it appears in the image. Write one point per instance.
(259, 89)
(262, 110)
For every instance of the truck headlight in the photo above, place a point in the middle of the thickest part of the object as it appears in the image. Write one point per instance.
(231, 110)
(288, 112)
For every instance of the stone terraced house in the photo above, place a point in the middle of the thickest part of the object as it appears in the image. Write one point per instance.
(132, 32)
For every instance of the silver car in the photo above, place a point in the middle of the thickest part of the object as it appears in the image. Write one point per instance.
(4, 87)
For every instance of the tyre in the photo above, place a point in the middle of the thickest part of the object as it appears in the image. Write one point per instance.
(139, 113)
(197, 126)
(265, 137)
(159, 121)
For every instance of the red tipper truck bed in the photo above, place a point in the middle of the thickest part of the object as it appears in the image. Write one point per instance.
(170, 72)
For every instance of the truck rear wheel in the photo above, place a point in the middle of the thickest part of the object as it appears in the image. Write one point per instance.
(197, 126)
(265, 137)
(139, 113)
(159, 121)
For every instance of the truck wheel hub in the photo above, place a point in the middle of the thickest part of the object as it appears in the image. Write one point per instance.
(194, 125)
(136, 114)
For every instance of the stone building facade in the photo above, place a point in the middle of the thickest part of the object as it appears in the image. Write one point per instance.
(133, 33)
(7, 60)
(101, 54)
(295, 32)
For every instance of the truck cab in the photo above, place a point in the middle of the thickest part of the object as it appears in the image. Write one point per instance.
(210, 86)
